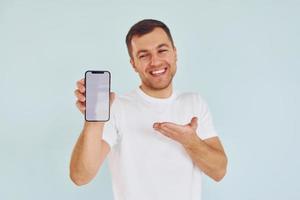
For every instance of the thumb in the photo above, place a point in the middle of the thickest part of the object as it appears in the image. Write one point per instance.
(194, 123)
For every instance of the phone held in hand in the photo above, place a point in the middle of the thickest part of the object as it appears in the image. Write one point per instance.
(97, 84)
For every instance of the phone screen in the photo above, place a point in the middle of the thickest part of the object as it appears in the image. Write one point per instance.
(97, 85)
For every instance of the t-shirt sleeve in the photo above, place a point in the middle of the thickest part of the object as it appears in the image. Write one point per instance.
(205, 128)
(110, 130)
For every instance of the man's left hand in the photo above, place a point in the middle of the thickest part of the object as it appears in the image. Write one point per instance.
(184, 134)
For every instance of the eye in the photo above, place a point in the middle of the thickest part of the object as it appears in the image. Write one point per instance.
(162, 50)
(142, 56)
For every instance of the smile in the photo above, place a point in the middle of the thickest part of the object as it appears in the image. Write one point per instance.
(158, 72)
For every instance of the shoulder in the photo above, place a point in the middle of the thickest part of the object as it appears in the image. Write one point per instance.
(193, 101)
(191, 97)
(124, 99)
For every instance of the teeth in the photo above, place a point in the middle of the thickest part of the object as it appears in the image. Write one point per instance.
(158, 71)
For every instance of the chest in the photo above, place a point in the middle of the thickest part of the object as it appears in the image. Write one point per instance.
(139, 140)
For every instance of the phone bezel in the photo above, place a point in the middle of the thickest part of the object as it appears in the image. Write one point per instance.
(97, 71)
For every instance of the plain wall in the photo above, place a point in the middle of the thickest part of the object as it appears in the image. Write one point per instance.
(241, 56)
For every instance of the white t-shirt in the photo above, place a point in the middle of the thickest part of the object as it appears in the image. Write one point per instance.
(144, 164)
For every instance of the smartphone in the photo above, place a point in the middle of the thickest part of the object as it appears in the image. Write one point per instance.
(97, 90)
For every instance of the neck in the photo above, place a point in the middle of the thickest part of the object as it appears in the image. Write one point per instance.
(158, 93)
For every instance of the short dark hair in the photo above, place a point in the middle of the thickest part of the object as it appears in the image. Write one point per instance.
(143, 27)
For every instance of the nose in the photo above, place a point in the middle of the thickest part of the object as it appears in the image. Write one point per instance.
(155, 60)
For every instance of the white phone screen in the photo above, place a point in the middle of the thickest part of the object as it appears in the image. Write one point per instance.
(97, 85)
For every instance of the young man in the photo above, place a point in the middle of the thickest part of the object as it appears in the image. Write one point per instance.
(159, 141)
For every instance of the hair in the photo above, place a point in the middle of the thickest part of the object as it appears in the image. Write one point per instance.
(143, 27)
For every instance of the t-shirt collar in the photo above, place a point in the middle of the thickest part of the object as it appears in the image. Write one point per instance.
(154, 99)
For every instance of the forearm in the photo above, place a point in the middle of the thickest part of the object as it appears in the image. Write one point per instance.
(211, 161)
(85, 159)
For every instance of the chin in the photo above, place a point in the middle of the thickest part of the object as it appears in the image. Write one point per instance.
(160, 86)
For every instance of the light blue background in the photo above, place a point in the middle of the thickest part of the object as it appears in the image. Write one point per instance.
(242, 56)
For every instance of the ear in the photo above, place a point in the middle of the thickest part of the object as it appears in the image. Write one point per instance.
(132, 64)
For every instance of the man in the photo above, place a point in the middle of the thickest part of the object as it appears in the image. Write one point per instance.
(159, 141)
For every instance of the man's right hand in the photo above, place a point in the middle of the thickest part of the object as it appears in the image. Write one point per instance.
(80, 94)
(89, 152)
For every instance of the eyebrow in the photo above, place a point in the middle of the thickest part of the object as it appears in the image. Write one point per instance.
(162, 45)
(141, 51)
(145, 51)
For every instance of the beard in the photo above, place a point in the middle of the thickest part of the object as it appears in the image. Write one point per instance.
(160, 84)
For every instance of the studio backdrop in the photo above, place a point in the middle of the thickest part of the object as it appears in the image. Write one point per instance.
(241, 56)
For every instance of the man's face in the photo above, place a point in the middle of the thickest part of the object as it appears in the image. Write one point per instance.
(154, 59)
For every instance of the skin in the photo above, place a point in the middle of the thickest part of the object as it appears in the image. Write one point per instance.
(89, 152)
(150, 52)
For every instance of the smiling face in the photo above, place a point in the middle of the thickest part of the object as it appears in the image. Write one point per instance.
(154, 59)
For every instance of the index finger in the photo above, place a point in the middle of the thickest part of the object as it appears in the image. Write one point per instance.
(80, 82)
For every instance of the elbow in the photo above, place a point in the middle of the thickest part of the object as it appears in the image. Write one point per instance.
(81, 175)
(77, 180)
(220, 174)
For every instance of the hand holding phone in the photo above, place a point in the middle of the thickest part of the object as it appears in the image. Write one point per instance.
(81, 103)
(80, 94)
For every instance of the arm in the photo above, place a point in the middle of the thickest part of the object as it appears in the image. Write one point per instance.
(208, 154)
(88, 154)
(90, 150)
